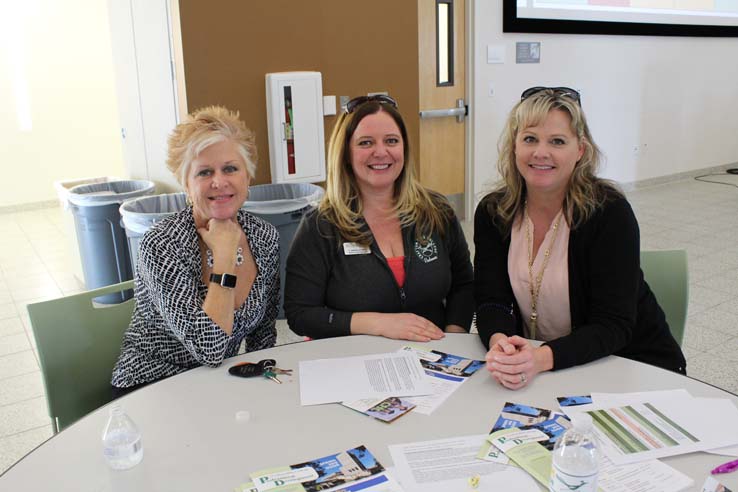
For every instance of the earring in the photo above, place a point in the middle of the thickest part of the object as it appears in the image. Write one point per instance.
(188, 201)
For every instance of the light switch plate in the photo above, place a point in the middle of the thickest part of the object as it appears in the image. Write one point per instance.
(329, 105)
(495, 53)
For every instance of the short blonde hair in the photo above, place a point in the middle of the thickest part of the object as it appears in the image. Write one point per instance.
(585, 191)
(341, 204)
(203, 128)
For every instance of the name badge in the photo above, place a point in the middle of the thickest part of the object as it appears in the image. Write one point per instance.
(350, 249)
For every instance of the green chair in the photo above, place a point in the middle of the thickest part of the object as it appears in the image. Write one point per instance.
(666, 274)
(78, 344)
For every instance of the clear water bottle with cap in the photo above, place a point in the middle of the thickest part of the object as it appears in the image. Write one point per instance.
(575, 460)
(122, 446)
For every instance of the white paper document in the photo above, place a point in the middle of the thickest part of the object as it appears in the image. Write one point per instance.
(447, 465)
(646, 476)
(366, 376)
(635, 427)
(441, 389)
(726, 451)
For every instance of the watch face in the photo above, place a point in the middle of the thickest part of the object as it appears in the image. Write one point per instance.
(228, 281)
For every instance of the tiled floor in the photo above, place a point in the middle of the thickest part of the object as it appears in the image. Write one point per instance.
(699, 217)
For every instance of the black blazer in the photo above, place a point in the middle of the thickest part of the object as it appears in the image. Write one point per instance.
(613, 311)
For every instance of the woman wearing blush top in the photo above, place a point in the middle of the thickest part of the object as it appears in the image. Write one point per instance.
(557, 253)
(381, 255)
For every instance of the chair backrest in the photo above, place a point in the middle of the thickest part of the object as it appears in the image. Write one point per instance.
(666, 273)
(78, 343)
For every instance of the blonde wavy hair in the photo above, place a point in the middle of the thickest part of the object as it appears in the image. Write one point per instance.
(203, 128)
(585, 191)
(342, 206)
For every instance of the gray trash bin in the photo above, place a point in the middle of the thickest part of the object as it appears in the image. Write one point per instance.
(283, 205)
(140, 214)
(102, 241)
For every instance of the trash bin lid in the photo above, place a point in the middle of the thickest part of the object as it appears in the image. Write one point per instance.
(282, 198)
(98, 194)
(141, 213)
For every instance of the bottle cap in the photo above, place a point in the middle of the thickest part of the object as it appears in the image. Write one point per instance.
(243, 416)
(581, 421)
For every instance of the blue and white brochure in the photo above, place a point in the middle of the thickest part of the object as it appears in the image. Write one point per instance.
(445, 374)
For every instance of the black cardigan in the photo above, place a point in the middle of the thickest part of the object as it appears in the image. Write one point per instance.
(613, 311)
(324, 286)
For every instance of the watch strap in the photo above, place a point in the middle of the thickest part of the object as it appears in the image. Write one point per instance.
(224, 280)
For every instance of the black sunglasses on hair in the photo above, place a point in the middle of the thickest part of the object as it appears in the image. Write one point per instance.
(358, 101)
(560, 91)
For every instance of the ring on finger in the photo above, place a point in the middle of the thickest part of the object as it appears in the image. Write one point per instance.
(523, 378)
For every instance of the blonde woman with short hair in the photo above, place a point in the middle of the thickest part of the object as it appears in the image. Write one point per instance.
(208, 276)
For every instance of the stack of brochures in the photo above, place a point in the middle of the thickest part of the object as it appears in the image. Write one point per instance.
(352, 470)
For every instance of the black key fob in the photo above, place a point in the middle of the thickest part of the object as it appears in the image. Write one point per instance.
(246, 370)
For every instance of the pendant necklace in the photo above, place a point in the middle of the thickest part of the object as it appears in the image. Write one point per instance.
(535, 287)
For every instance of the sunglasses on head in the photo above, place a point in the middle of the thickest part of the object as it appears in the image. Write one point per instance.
(358, 101)
(559, 91)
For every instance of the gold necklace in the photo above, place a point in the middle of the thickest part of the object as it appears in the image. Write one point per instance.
(535, 287)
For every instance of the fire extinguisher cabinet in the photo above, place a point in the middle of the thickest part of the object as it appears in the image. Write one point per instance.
(295, 119)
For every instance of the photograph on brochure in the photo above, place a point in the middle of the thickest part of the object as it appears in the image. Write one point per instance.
(524, 417)
(386, 410)
(321, 474)
(443, 363)
(573, 401)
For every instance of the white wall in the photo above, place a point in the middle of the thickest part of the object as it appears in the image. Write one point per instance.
(656, 105)
(55, 59)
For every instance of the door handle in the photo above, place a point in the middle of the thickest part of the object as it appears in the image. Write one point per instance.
(460, 111)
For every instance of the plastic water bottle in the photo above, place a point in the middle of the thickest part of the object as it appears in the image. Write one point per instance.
(575, 463)
(122, 446)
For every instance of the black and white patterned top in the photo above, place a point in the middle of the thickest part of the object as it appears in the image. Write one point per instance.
(169, 332)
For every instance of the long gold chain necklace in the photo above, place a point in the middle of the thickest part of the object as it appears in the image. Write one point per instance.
(535, 287)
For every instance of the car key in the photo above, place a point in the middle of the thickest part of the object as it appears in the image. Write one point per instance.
(246, 370)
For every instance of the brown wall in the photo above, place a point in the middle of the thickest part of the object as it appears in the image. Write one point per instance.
(359, 46)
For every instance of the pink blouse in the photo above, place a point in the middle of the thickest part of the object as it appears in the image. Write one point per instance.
(554, 317)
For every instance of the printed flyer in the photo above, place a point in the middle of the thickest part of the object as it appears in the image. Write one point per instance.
(352, 470)
(523, 417)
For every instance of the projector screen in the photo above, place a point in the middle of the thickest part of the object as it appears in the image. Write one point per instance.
(634, 17)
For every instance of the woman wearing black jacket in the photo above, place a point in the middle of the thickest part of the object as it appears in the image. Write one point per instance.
(381, 255)
(557, 253)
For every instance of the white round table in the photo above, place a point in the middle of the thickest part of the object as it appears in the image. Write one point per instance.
(194, 442)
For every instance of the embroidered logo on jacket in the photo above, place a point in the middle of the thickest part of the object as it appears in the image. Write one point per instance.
(426, 252)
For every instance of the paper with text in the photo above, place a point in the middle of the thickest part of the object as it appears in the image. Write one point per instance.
(367, 376)
(447, 464)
